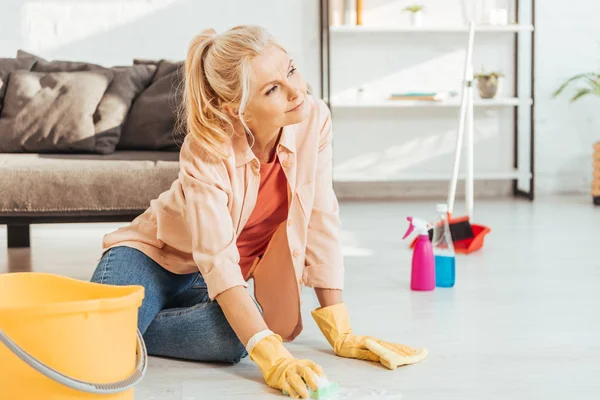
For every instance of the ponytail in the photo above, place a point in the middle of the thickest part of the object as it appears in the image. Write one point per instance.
(201, 101)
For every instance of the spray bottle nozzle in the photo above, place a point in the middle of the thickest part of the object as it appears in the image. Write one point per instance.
(411, 227)
(421, 226)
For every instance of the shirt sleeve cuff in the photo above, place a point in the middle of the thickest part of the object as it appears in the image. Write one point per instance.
(223, 278)
(323, 277)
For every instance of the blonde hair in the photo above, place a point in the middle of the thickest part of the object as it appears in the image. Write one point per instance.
(217, 72)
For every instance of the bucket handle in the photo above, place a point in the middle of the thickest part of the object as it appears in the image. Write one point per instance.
(83, 386)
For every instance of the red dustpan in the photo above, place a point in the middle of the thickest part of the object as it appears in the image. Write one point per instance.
(468, 243)
(466, 237)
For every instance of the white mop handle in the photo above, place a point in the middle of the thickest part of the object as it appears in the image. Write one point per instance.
(469, 134)
(467, 83)
(457, 151)
(470, 127)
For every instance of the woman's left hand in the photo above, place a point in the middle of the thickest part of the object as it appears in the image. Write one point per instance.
(335, 325)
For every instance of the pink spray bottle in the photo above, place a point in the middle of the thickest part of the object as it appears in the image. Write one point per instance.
(423, 262)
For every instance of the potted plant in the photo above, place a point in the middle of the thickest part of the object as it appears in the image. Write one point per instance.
(488, 83)
(591, 81)
(416, 14)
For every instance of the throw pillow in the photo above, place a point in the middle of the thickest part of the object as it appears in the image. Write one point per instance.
(42, 65)
(52, 112)
(8, 65)
(152, 120)
(127, 84)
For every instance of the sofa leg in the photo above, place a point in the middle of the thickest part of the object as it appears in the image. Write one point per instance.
(18, 236)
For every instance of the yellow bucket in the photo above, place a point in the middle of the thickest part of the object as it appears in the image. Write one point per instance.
(65, 339)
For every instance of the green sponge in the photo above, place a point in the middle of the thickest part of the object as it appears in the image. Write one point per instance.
(326, 389)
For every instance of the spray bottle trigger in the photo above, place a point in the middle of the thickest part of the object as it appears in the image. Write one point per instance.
(411, 227)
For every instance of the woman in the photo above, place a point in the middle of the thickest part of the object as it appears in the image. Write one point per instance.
(253, 199)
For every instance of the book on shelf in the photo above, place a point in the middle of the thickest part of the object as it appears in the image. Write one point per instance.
(422, 96)
(345, 12)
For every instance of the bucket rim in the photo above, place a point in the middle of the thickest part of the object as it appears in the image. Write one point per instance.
(131, 295)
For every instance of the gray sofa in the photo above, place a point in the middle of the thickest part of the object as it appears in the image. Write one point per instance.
(81, 142)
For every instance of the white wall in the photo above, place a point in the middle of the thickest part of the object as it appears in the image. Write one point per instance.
(115, 31)
(568, 41)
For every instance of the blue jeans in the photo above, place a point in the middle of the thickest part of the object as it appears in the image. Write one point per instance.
(177, 318)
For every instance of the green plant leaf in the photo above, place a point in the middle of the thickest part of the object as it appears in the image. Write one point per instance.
(414, 8)
(580, 94)
(595, 85)
(588, 75)
(483, 74)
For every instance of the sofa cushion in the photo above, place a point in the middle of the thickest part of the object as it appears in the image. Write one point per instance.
(8, 65)
(152, 121)
(127, 84)
(39, 183)
(42, 65)
(52, 112)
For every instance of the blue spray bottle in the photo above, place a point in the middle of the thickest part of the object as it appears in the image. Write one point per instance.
(443, 249)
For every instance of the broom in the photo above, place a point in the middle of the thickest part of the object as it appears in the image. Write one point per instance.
(466, 237)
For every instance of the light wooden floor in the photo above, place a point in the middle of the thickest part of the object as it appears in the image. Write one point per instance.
(523, 321)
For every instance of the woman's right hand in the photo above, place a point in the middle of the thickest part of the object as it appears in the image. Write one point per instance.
(281, 370)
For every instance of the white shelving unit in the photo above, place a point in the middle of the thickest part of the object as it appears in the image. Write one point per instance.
(418, 177)
(349, 102)
(355, 29)
(515, 98)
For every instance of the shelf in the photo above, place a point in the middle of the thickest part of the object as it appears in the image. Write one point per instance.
(375, 103)
(417, 177)
(430, 29)
(347, 101)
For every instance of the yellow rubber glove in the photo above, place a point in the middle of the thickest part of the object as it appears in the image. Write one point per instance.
(281, 370)
(334, 322)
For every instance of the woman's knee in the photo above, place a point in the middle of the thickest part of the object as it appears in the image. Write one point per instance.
(99, 275)
(117, 266)
(125, 266)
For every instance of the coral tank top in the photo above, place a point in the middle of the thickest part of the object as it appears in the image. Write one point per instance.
(270, 211)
